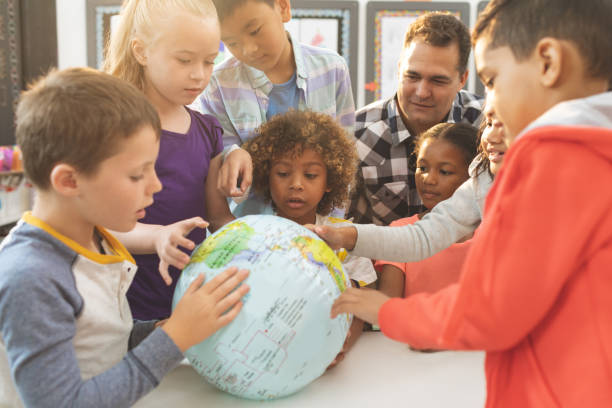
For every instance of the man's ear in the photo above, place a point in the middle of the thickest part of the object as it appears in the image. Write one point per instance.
(284, 7)
(549, 55)
(463, 78)
(138, 50)
(63, 179)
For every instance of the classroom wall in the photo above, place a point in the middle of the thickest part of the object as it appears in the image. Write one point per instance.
(72, 51)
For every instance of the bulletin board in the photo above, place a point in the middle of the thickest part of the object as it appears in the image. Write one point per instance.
(480, 89)
(99, 15)
(386, 24)
(10, 68)
(328, 24)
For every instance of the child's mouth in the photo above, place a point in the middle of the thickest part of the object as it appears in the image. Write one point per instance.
(295, 203)
(495, 156)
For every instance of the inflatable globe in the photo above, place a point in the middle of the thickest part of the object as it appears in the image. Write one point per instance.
(283, 338)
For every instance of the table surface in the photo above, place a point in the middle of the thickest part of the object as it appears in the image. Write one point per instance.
(377, 372)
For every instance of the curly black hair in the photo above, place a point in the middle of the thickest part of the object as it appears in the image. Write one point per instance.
(292, 133)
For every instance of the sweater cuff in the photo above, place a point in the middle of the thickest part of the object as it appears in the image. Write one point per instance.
(158, 354)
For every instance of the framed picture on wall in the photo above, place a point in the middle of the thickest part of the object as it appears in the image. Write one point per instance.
(10, 68)
(480, 89)
(328, 24)
(331, 24)
(99, 22)
(387, 22)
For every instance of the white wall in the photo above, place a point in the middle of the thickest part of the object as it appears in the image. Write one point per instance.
(72, 50)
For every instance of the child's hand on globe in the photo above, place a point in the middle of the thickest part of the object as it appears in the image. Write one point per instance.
(363, 303)
(167, 241)
(204, 309)
(336, 238)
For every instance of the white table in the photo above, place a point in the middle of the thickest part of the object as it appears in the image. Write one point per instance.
(377, 372)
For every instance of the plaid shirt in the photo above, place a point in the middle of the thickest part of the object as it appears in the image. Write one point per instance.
(238, 95)
(385, 190)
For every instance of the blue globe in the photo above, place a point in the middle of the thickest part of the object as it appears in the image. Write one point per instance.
(283, 338)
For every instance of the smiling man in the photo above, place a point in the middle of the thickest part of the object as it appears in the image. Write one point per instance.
(432, 71)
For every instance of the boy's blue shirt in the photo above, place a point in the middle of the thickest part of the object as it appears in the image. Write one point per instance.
(238, 95)
(39, 308)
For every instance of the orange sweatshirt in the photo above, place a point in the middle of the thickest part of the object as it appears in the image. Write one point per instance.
(536, 287)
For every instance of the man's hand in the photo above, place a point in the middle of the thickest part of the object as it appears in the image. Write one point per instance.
(363, 303)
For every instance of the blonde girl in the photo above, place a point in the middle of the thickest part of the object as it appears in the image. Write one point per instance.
(167, 49)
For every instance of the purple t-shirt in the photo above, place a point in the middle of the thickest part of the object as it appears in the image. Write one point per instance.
(182, 167)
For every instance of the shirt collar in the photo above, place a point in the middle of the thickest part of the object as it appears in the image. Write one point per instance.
(259, 79)
(391, 114)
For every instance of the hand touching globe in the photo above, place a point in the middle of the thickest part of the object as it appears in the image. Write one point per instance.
(283, 338)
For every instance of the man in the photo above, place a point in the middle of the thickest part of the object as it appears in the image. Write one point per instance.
(432, 71)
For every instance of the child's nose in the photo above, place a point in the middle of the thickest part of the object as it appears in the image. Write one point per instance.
(155, 185)
(249, 48)
(296, 183)
(431, 178)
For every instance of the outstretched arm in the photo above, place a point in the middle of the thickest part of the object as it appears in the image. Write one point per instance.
(164, 240)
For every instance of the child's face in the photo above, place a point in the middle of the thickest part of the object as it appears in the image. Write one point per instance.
(297, 184)
(255, 33)
(116, 195)
(512, 87)
(179, 63)
(493, 139)
(441, 168)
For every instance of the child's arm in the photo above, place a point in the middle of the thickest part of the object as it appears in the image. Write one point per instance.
(211, 102)
(392, 280)
(236, 167)
(527, 264)
(447, 223)
(217, 208)
(345, 104)
(363, 303)
(163, 240)
(38, 325)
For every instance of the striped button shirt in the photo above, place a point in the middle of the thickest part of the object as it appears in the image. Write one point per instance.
(238, 95)
(385, 189)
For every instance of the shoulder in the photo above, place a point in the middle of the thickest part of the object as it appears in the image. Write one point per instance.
(405, 221)
(228, 72)
(371, 113)
(326, 55)
(467, 107)
(33, 262)
(206, 124)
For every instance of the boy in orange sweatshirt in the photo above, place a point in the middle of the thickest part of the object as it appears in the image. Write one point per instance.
(535, 287)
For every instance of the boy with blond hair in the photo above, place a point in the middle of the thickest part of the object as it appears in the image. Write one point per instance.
(535, 287)
(89, 143)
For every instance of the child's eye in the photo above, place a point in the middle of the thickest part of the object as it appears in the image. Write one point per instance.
(489, 83)
(282, 174)
(446, 172)
(183, 61)
(137, 178)
(311, 176)
(255, 32)
(422, 169)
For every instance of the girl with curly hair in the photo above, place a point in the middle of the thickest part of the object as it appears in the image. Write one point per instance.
(304, 164)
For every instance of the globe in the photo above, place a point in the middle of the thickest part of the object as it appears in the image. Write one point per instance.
(283, 338)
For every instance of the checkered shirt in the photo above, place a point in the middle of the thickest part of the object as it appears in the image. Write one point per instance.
(385, 190)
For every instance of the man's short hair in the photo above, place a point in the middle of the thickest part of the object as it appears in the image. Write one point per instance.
(520, 24)
(227, 7)
(440, 30)
(78, 116)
